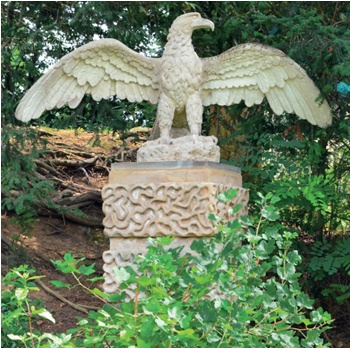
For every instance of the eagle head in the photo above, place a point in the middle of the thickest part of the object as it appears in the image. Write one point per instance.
(189, 22)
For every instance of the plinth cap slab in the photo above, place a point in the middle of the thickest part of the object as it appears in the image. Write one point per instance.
(174, 165)
(174, 171)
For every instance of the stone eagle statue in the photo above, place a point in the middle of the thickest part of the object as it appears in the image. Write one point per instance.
(180, 82)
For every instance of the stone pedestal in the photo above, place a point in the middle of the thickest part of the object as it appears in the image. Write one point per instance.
(165, 198)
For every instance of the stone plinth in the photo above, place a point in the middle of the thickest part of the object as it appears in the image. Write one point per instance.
(158, 199)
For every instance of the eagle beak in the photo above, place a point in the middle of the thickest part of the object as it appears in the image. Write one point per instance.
(202, 23)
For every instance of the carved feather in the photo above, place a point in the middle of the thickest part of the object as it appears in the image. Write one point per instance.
(101, 68)
(252, 72)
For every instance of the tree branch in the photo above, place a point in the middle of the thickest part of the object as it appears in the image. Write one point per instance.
(61, 298)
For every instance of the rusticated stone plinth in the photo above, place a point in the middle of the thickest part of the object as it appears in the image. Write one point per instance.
(160, 199)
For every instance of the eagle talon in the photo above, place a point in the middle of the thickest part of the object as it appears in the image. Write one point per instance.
(195, 138)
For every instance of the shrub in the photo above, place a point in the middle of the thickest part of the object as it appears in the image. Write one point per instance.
(328, 258)
(223, 295)
(17, 310)
(22, 187)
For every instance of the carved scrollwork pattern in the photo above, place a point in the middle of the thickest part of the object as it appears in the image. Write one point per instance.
(123, 253)
(177, 209)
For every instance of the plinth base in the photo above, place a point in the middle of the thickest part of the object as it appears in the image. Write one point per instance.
(186, 148)
(145, 200)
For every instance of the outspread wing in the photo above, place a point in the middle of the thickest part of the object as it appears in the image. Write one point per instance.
(102, 68)
(251, 72)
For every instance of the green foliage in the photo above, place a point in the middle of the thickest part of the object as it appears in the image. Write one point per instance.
(221, 295)
(328, 258)
(18, 311)
(311, 181)
(21, 186)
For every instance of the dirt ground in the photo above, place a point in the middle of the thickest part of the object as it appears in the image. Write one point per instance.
(50, 237)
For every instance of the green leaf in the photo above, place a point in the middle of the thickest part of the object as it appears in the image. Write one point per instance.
(307, 322)
(275, 199)
(316, 316)
(96, 279)
(204, 279)
(185, 321)
(104, 313)
(83, 322)
(236, 209)
(68, 257)
(208, 312)
(214, 217)
(287, 272)
(175, 312)
(59, 284)
(66, 266)
(142, 344)
(166, 240)
(87, 270)
(61, 341)
(102, 294)
(146, 281)
(270, 213)
(188, 333)
(293, 257)
(120, 274)
(116, 297)
(15, 337)
(290, 271)
(227, 196)
(161, 323)
(152, 306)
(147, 327)
(213, 337)
(342, 298)
(93, 340)
(21, 293)
(265, 248)
(47, 315)
(234, 225)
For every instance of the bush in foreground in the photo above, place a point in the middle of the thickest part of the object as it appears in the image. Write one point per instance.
(239, 289)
